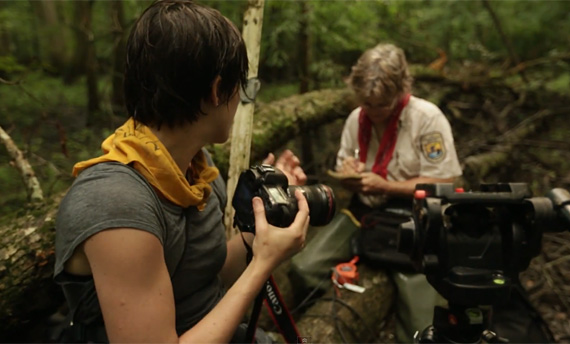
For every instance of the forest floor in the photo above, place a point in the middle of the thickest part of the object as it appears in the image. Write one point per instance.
(547, 281)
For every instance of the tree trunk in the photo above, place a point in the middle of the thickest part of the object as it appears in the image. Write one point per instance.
(242, 128)
(81, 19)
(305, 58)
(51, 31)
(91, 66)
(304, 47)
(4, 36)
(84, 59)
(118, 19)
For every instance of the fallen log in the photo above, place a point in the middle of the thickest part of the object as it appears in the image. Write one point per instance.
(27, 291)
(350, 317)
(477, 167)
(278, 122)
(332, 318)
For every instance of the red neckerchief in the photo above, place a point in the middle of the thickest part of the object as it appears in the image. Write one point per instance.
(389, 138)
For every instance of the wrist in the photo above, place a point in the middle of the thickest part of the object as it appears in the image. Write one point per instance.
(262, 267)
(387, 188)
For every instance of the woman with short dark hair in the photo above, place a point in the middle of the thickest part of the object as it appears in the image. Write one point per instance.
(141, 251)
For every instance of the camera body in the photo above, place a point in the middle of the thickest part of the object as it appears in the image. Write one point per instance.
(472, 245)
(272, 186)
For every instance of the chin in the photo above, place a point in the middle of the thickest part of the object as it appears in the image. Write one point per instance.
(378, 119)
(221, 138)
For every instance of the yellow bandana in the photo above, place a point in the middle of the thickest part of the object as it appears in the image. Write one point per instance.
(137, 145)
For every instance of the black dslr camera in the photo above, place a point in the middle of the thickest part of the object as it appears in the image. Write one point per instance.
(271, 185)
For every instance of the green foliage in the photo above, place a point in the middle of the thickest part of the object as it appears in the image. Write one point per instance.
(271, 92)
(560, 84)
(36, 94)
(339, 31)
(8, 64)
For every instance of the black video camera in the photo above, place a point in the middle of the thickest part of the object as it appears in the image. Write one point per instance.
(271, 185)
(472, 245)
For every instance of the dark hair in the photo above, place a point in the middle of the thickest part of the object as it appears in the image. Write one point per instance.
(174, 53)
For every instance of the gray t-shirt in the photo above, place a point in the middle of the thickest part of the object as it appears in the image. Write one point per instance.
(114, 195)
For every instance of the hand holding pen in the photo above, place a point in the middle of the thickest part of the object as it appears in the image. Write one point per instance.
(352, 164)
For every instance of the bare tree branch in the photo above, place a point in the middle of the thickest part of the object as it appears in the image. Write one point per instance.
(26, 171)
(504, 37)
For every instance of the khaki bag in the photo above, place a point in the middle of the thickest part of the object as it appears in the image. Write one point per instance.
(311, 267)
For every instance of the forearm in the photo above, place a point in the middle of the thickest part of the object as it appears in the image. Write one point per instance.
(406, 188)
(235, 262)
(220, 323)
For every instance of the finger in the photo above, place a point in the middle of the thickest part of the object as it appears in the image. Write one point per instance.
(305, 226)
(269, 160)
(302, 215)
(299, 175)
(347, 169)
(284, 157)
(259, 213)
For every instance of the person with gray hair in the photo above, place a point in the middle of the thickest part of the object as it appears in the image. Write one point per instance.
(393, 140)
(389, 143)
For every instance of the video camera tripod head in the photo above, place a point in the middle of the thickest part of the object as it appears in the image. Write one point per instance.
(472, 245)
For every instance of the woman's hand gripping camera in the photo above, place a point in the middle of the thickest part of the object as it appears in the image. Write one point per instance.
(272, 245)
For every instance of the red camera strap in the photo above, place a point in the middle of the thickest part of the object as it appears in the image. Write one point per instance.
(279, 312)
(275, 305)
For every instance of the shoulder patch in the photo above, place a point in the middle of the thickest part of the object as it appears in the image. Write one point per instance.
(432, 146)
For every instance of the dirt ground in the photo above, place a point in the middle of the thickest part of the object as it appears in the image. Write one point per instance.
(547, 281)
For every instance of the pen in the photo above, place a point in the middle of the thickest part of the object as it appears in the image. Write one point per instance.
(357, 153)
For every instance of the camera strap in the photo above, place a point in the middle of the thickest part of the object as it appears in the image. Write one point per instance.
(279, 312)
(275, 305)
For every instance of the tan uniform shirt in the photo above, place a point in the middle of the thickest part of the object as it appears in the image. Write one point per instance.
(424, 147)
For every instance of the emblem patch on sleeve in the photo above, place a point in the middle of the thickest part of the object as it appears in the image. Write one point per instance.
(432, 146)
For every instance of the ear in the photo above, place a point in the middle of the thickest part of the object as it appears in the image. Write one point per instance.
(215, 92)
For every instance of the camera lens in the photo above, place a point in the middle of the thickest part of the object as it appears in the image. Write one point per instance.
(322, 204)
